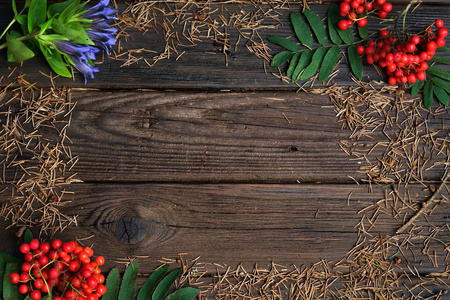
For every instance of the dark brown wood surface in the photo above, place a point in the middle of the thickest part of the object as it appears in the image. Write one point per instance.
(196, 69)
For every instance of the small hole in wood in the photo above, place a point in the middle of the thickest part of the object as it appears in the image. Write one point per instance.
(130, 230)
(293, 149)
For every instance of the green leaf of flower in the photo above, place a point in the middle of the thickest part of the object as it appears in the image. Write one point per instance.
(416, 87)
(281, 58)
(37, 14)
(112, 285)
(186, 293)
(152, 281)
(283, 42)
(56, 61)
(14, 7)
(441, 95)
(73, 10)
(57, 8)
(363, 31)
(301, 29)
(346, 35)
(316, 60)
(17, 50)
(165, 284)
(329, 62)
(439, 72)
(74, 32)
(128, 285)
(355, 61)
(293, 64)
(440, 59)
(428, 94)
(317, 26)
(305, 59)
(332, 26)
(11, 290)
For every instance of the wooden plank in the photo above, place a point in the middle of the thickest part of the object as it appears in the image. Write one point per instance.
(204, 137)
(196, 69)
(228, 223)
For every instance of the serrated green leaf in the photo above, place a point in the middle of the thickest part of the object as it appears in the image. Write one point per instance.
(163, 287)
(346, 35)
(128, 285)
(27, 236)
(9, 258)
(152, 281)
(332, 27)
(305, 60)
(293, 64)
(316, 60)
(416, 87)
(112, 285)
(281, 58)
(37, 14)
(186, 293)
(441, 95)
(439, 72)
(428, 94)
(441, 83)
(443, 49)
(11, 290)
(440, 59)
(329, 62)
(17, 49)
(301, 29)
(317, 26)
(283, 42)
(355, 61)
(363, 31)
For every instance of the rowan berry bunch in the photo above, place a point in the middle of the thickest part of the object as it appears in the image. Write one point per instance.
(64, 271)
(405, 61)
(358, 11)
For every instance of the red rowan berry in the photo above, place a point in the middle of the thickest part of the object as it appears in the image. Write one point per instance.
(362, 22)
(392, 81)
(439, 23)
(92, 297)
(25, 277)
(14, 277)
(421, 75)
(45, 247)
(24, 248)
(380, 2)
(440, 42)
(369, 59)
(384, 32)
(56, 244)
(100, 260)
(23, 289)
(35, 295)
(382, 14)
(34, 244)
(411, 78)
(442, 32)
(38, 283)
(53, 273)
(101, 289)
(415, 39)
(423, 66)
(369, 6)
(343, 24)
(360, 9)
(387, 7)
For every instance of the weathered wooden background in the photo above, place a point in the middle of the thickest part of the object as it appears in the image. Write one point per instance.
(251, 175)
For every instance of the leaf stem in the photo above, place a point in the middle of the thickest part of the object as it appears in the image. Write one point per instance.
(12, 22)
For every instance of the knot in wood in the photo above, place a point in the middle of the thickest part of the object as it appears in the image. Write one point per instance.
(130, 230)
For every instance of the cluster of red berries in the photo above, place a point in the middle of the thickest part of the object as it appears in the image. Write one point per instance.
(405, 61)
(63, 270)
(358, 11)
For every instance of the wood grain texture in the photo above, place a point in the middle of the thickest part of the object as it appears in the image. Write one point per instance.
(231, 223)
(212, 137)
(198, 70)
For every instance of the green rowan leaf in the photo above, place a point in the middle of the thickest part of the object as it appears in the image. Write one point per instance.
(363, 31)
(355, 61)
(332, 26)
(301, 29)
(439, 72)
(2, 274)
(37, 14)
(441, 95)
(416, 87)
(346, 35)
(293, 64)
(27, 236)
(305, 60)
(443, 49)
(186, 293)
(281, 58)
(283, 42)
(428, 94)
(163, 287)
(316, 60)
(152, 281)
(11, 290)
(440, 59)
(112, 285)
(17, 50)
(128, 285)
(441, 83)
(329, 62)
(317, 26)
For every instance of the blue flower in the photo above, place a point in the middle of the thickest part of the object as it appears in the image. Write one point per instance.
(100, 31)
(80, 55)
